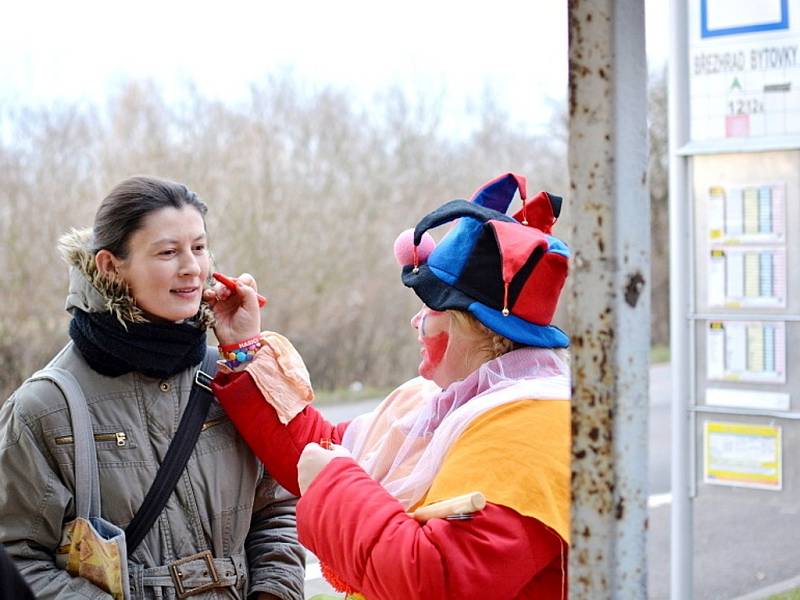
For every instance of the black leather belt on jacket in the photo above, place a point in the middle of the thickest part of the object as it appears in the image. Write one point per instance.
(191, 575)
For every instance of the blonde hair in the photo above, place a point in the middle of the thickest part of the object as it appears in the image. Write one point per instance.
(488, 344)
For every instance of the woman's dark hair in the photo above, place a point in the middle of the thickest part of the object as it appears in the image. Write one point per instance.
(121, 213)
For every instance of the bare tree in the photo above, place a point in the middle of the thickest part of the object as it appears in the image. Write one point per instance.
(658, 178)
(306, 191)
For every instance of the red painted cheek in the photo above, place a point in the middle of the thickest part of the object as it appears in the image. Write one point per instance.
(435, 347)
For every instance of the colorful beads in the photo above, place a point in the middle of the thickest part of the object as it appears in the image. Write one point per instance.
(239, 353)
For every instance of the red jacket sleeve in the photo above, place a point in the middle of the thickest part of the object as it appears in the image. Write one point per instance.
(362, 533)
(277, 445)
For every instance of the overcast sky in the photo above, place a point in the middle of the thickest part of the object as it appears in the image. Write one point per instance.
(76, 49)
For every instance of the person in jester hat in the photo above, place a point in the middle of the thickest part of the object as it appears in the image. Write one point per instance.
(489, 413)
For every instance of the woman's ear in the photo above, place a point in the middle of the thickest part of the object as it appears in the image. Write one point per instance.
(106, 263)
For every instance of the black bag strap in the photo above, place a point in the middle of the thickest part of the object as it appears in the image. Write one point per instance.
(177, 455)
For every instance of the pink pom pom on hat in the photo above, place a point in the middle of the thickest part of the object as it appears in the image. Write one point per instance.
(404, 248)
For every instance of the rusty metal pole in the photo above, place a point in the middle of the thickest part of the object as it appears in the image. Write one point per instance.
(609, 306)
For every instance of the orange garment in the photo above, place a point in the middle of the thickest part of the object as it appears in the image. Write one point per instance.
(518, 455)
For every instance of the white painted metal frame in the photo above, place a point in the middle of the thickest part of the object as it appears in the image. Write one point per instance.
(681, 307)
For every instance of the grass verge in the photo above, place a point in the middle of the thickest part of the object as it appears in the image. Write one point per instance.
(659, 354)
(790, 595)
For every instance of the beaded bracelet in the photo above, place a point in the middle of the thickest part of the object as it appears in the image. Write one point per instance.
(239, 352)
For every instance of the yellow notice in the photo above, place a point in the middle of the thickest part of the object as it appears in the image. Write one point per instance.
(742, 454)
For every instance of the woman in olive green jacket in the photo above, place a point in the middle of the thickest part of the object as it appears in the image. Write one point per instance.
(138, 334)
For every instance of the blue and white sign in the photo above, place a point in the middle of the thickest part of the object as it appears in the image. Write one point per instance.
(718, 17)
(744, 68)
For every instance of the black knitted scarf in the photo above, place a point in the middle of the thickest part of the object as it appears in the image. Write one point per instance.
(154, 349)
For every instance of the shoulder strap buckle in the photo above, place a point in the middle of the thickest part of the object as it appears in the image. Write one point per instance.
(203, 380)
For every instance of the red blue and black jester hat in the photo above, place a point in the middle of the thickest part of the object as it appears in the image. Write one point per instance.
(508, 272)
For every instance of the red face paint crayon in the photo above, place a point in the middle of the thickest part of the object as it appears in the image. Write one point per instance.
(231, 285)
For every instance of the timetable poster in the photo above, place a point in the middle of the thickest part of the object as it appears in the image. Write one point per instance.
(753, 351)
(747, 214)
(743, 454)
(747, 277)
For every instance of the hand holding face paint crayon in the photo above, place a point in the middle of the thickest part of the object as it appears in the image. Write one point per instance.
(236, 305)
(231, 285)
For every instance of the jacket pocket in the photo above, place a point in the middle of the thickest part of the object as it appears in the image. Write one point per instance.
(115, 445)
(217, 432)
(213, 423)
(120, 438)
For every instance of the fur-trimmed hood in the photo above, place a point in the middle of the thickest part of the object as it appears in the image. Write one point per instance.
(91, 291)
